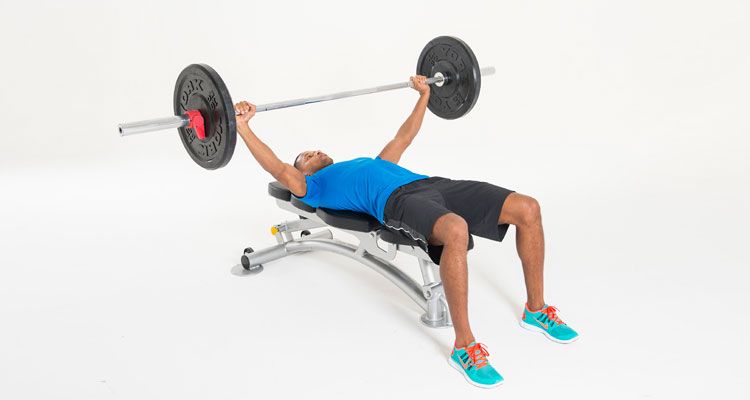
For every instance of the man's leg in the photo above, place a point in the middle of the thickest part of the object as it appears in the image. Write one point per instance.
(524, 212)
(452, 232)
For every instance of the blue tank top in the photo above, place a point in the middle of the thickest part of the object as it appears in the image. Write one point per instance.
(362, 184)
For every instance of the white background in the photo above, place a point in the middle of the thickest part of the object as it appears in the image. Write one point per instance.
(628, 121)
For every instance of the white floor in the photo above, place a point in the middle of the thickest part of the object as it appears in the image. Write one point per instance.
(627, 120)
(113, 286)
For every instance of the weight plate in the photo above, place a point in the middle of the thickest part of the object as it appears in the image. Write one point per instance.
(454, 59)
(201, 88)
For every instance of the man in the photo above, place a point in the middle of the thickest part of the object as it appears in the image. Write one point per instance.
(432, 210)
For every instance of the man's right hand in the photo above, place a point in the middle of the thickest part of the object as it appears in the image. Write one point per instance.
(419, 83)
(244, 111)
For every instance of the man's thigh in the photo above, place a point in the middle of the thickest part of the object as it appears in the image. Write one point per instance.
(479, 203)
(415, 212)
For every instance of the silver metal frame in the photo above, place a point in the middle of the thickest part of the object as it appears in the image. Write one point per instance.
(429, 296)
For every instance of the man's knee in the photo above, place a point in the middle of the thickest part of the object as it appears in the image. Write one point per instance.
(532, 212)
(450, 230)
(520, 209)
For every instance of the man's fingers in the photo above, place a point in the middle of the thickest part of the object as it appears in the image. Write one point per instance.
(244, 110)
(244, 107)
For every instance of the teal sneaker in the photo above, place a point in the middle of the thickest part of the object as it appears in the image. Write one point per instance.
(549, 324)
(471, 361)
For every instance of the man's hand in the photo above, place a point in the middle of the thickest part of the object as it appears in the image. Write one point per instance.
(419, 84)
(245, 111)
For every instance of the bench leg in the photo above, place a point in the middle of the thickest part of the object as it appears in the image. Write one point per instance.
(252, 263)
(437, 314)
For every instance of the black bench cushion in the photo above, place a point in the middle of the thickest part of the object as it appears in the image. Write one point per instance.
(351, 220)
(302, 205)
(356, 221)
(279, 191)
(337, 218)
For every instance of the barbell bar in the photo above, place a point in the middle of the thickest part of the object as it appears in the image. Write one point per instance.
(204, 112)
(183, 120)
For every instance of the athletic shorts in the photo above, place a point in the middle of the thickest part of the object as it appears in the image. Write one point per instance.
(413, 208)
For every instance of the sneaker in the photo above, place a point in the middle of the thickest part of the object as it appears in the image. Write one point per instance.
(548, 323)
(471, 361)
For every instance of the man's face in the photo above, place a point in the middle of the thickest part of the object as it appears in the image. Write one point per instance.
(311, 161)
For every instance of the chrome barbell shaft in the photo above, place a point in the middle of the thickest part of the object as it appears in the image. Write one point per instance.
(180, 121)
(351, 93)
(151, 125)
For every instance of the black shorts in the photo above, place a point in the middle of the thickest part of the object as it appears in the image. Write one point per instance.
(414, 207)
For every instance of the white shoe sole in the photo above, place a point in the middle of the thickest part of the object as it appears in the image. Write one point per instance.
(533, 328)
(461, 370)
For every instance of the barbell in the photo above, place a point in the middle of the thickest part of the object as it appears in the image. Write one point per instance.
(205, 117)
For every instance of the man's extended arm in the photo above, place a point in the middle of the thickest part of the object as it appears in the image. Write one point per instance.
(409, 129)
(285, 173)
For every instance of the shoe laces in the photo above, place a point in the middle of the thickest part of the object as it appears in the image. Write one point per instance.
(551, 313)
(478, 354)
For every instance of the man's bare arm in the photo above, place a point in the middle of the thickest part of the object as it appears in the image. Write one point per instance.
(285, 173)
(409, 129)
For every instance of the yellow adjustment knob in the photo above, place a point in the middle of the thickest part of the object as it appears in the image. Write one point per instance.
(274, 230)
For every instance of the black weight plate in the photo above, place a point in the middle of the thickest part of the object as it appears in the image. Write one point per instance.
(453, 58)
(200, 88)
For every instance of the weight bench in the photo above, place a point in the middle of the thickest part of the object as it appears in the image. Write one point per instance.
(370, 233)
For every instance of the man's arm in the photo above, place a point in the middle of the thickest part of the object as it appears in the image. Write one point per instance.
(285, 173)
(409, 129)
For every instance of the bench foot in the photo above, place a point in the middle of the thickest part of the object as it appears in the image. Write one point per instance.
(239, 270)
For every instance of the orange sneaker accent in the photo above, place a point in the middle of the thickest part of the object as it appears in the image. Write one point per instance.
(551, 313)
(478, 354)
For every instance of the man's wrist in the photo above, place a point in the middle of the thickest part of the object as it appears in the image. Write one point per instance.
(243, 129)
(245, 126)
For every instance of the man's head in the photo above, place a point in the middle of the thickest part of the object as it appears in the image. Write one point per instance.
(312, 161)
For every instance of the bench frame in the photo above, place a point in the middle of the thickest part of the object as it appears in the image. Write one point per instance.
(429, 296)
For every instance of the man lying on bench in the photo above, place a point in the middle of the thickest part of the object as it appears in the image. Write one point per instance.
(430, 210)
